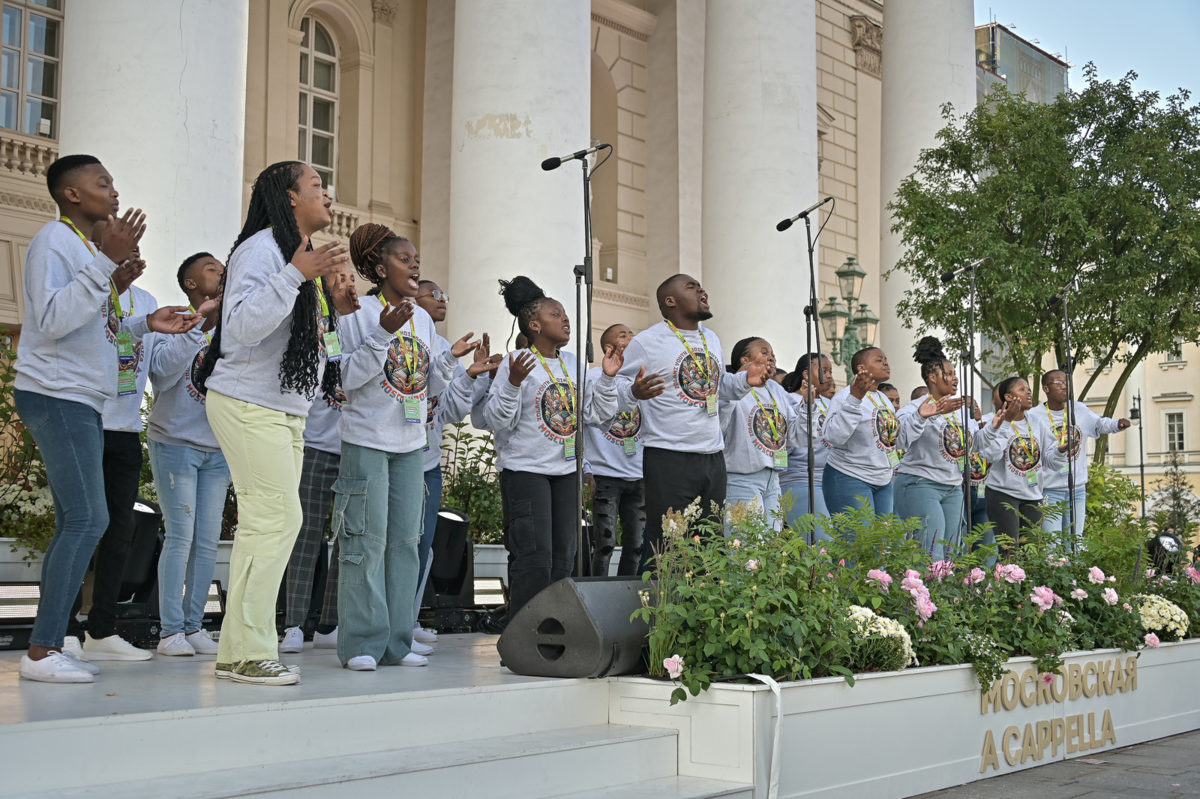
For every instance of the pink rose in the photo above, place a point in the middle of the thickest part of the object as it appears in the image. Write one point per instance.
(1095, 575)
(1047, 678)
(674, 666)
(978, 575)
(752, 565)
(941, 569)
(1149, 573)
(1192, 574)
(925, 607)
(1009, 572)
(1110, 596)
(1078, 593)
(1128, 607)
(1151, 640)
(1044, 598)
(880, 576)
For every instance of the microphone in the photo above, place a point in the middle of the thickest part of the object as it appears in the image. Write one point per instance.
(555, 163)
(787, 223)
(953, 273)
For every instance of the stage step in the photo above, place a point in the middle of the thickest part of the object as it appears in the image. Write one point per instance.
(669, 788)
(540, 764)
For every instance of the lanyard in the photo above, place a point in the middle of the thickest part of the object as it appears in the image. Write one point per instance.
(950, 420)
(111, 288)
(567, 398)
(1061, 435)
(207, 336)
(1027, 447)
(321, 297)
(703, 367)
(409, 356)
(78, 233)
(771, 416)
(886, 408)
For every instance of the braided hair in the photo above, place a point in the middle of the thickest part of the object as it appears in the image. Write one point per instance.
(523, 298)
(739, 352)
(369, 244)
(931, 357)
(795, 378)
(270, 208)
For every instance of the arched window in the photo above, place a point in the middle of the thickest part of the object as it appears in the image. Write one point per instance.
(318, 99)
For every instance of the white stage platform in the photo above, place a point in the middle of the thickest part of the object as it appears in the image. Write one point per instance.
(461, 727)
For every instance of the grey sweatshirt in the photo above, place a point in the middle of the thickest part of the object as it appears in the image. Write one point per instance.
(678, 419)
(933, 447)
(531, 421)
(750, 443)
(1018, 452)
(797, 470)
(323, 428)
(123, 414)
(256, 320)
(862, 434)
(608, 454)
(451, 406)
(178, 416)
(377, 378)
(64, 350)
(1088, 424)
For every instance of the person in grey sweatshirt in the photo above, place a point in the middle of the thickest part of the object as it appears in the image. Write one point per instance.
(66, 370)
(532, 410)
(929, 479)
(262, 370)
(809, 390)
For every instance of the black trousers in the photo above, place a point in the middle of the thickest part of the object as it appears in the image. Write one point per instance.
(122, 475)
(539, 531)
(673, 480)
(617, 498)
(1011, 515)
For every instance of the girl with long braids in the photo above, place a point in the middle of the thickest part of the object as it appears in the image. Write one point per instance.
(807, 387)
(262, 371)
(929, 479)
(531, 409)
(757, 429)
(393, 363)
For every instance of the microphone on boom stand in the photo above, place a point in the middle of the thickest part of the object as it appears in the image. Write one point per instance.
(787, 223)
(555, 163)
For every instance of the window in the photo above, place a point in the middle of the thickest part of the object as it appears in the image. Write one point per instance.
(1175, 432)
(318, 99)
(29, 65)
(1175, 353)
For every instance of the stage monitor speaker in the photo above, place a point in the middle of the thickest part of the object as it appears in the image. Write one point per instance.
(577, 628)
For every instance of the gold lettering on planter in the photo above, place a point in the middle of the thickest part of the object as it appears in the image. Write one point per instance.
(1072, 733)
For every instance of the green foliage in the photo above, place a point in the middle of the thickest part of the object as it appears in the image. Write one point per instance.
(1114, 537)
(470, 482)
(1176, 508)
(1099, 187)
(26, 507)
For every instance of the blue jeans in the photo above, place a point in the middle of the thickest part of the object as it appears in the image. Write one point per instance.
(378, 504)
(191, 486)
(1058, 496)
(759, 489)
(433, 503)
(843, 493)
(798, 491)
(70, 439)
(939, 507)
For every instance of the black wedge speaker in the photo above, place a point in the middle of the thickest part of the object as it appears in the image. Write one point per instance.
(577, 627)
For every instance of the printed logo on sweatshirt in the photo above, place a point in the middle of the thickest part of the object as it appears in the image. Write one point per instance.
(1024, 454)
(193, 390)
(558, 421)
(887, 429)
(979, 467)
(952, 445)
(759, 428)
(432, 408)
(695, 385)
(628, 424)
(397, 380)
(338, 400)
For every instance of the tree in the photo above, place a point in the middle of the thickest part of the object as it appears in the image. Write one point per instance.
(1175, 506)
(1098, 191)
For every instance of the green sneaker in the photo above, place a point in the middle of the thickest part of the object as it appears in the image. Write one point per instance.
(224, 671)
(264, 672)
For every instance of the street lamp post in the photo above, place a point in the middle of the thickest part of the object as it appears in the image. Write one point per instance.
(848, 328)
(1135, 413)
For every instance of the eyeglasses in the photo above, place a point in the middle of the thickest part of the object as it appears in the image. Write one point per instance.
(438, 295)
(1057, 383)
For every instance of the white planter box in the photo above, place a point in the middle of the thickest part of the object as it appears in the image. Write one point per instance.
(491, 560)
(897, 734)
(221, 572)
(13, 568)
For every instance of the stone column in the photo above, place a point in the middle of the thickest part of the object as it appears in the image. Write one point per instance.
(521, 94)
(760, 166)
(928, 60)
(164, 109)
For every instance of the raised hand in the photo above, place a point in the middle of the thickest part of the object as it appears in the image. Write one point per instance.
(756, 375)
(210, 309)
(862, 383)
(488, 364)
(648, 386)
(393, 317)
(122, 235)
(1123, 424)
(944, 405)
(320, 262)
(464, 345)
(173, 319)
(519, 367)
(129, 270)
(1008, 412)
(614, 359)
(345, 298)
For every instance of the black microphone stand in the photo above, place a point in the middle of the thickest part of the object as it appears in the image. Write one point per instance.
(1069, 412)
(812, 341)
(968, 359)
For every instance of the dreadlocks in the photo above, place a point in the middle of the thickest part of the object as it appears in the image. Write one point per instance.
(269, 207)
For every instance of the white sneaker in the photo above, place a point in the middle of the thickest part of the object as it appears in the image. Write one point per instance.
(413, 659)
(202, 642)
(424, 636)
(90, 668)
(114, 647)
(55, 667)
(293, 640)
(72, 647)
(325, 640)
(421, 649)
(361, 663)
(176, 645)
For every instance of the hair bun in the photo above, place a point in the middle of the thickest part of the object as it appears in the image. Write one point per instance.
(929, 350)
(519, 292)
(365, 239)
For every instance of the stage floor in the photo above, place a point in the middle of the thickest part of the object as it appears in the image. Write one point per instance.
(461, 662)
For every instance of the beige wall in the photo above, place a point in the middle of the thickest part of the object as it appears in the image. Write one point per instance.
(25, 206)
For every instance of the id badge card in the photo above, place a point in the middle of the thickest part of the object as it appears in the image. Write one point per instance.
(126, 381)
(333, 346)
(1031, 477)
(781, 459)
(569, 447)
(710, 404)
(125, 346)
(412, 410)
(428, 439)
(894, 458)
(629, 445)
(962, 463)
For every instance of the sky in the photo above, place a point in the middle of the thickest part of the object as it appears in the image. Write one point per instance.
(1155, 38)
